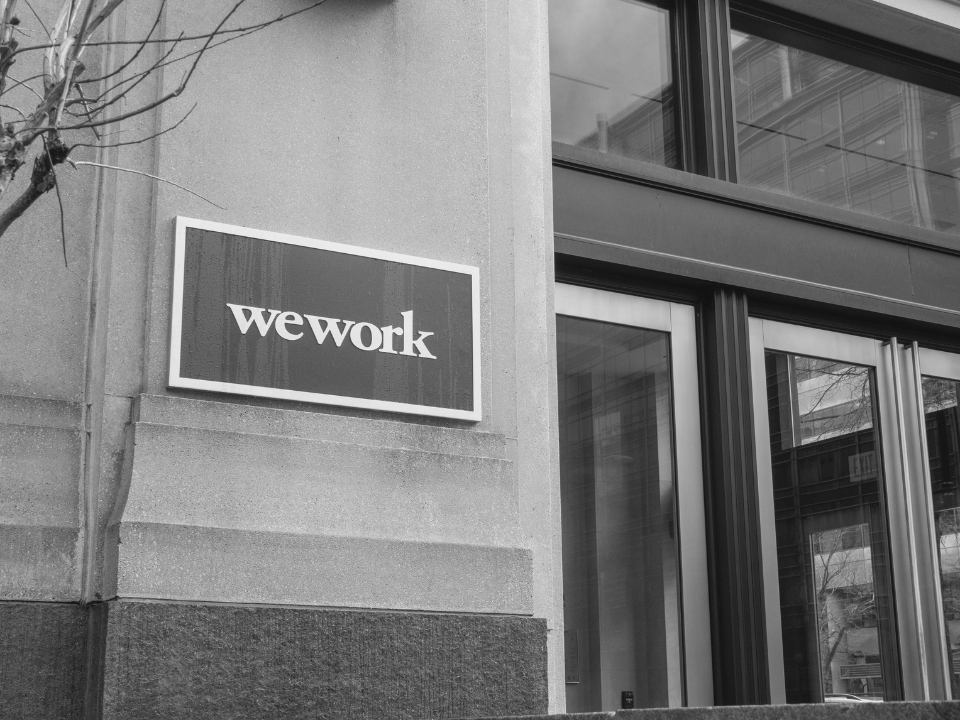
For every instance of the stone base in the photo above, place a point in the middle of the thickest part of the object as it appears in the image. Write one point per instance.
(43, 658)
(229, 662)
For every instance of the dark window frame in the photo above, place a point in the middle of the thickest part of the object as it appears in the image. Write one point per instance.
(847, 46)
(706, 118)
(679, 61)
(610, 250)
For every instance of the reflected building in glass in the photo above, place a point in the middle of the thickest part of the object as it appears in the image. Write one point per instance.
(612, 79)
(645, 130)
(826, 131)
(838, 626)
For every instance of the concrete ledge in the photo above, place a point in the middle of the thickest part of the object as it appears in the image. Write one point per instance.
(39, 475)
(211, 478)
(39, 412)
(179, 562)
(322, 424)
(832, 711)
(37, 563)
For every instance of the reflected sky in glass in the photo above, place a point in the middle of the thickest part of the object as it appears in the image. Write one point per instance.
(610, 78)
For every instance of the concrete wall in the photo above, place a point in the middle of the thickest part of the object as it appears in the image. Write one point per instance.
(385, 125)
(414, 126)
(44, 294)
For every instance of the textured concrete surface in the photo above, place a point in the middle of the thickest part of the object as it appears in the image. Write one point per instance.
(531, 311)
(214, 564)
(383, 142)
(241, 417)
(281, 484)
(42, 661)
(223, 662)
(833, 711)
(39, 474)
(39, 498)
(252, 517)
(409, 126)
(43, 331)
(39, 563)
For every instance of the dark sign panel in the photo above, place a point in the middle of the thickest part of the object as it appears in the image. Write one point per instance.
(259, 313)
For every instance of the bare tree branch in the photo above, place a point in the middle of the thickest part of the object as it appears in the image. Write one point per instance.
(138, 141)
(62, 107)
(75, 163)
(56, 187)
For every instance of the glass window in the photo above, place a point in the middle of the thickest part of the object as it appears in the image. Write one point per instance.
(837, 618)
(620, 564)
(834, 133)
(612, 78)
(943, 448)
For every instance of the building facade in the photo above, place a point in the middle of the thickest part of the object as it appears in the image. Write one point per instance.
(699, 447)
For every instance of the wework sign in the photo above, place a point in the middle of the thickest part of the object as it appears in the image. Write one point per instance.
(270, 315)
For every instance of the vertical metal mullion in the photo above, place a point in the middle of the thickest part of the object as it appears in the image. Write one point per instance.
(711, 78)
(946, 660)
(910, 515)
(741, 671)
(685, 81)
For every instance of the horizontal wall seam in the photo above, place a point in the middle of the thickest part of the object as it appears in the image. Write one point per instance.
(316, 608)
(328, 535)
(322, 441)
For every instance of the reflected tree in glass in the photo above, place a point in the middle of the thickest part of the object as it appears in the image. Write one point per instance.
(833, 563)
(846, 599)
(943, 450)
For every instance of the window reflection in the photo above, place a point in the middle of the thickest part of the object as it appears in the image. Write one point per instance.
(846, 606)
(833, 562)
(834, 133)
(620, 562)
(611, 80)
(943, 446)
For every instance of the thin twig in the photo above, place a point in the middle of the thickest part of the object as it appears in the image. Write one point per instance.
(138, 141)
(15, 109)
(56, 186)
(17, 83)
(213, 33)
(74, 163)
(96, 133)
(136, 54)
(135, 80)
(34, 132)
(174, 61)
(45, 29)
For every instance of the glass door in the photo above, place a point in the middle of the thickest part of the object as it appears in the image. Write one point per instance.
(829, 418)
(939, 505)
(636, 614)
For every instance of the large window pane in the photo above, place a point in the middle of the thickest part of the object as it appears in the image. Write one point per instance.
(837, 618)
(611, 80)
(834, 133)
(620, 566)
(943, 445)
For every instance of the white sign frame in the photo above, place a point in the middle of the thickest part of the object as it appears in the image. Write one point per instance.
(176, 380)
